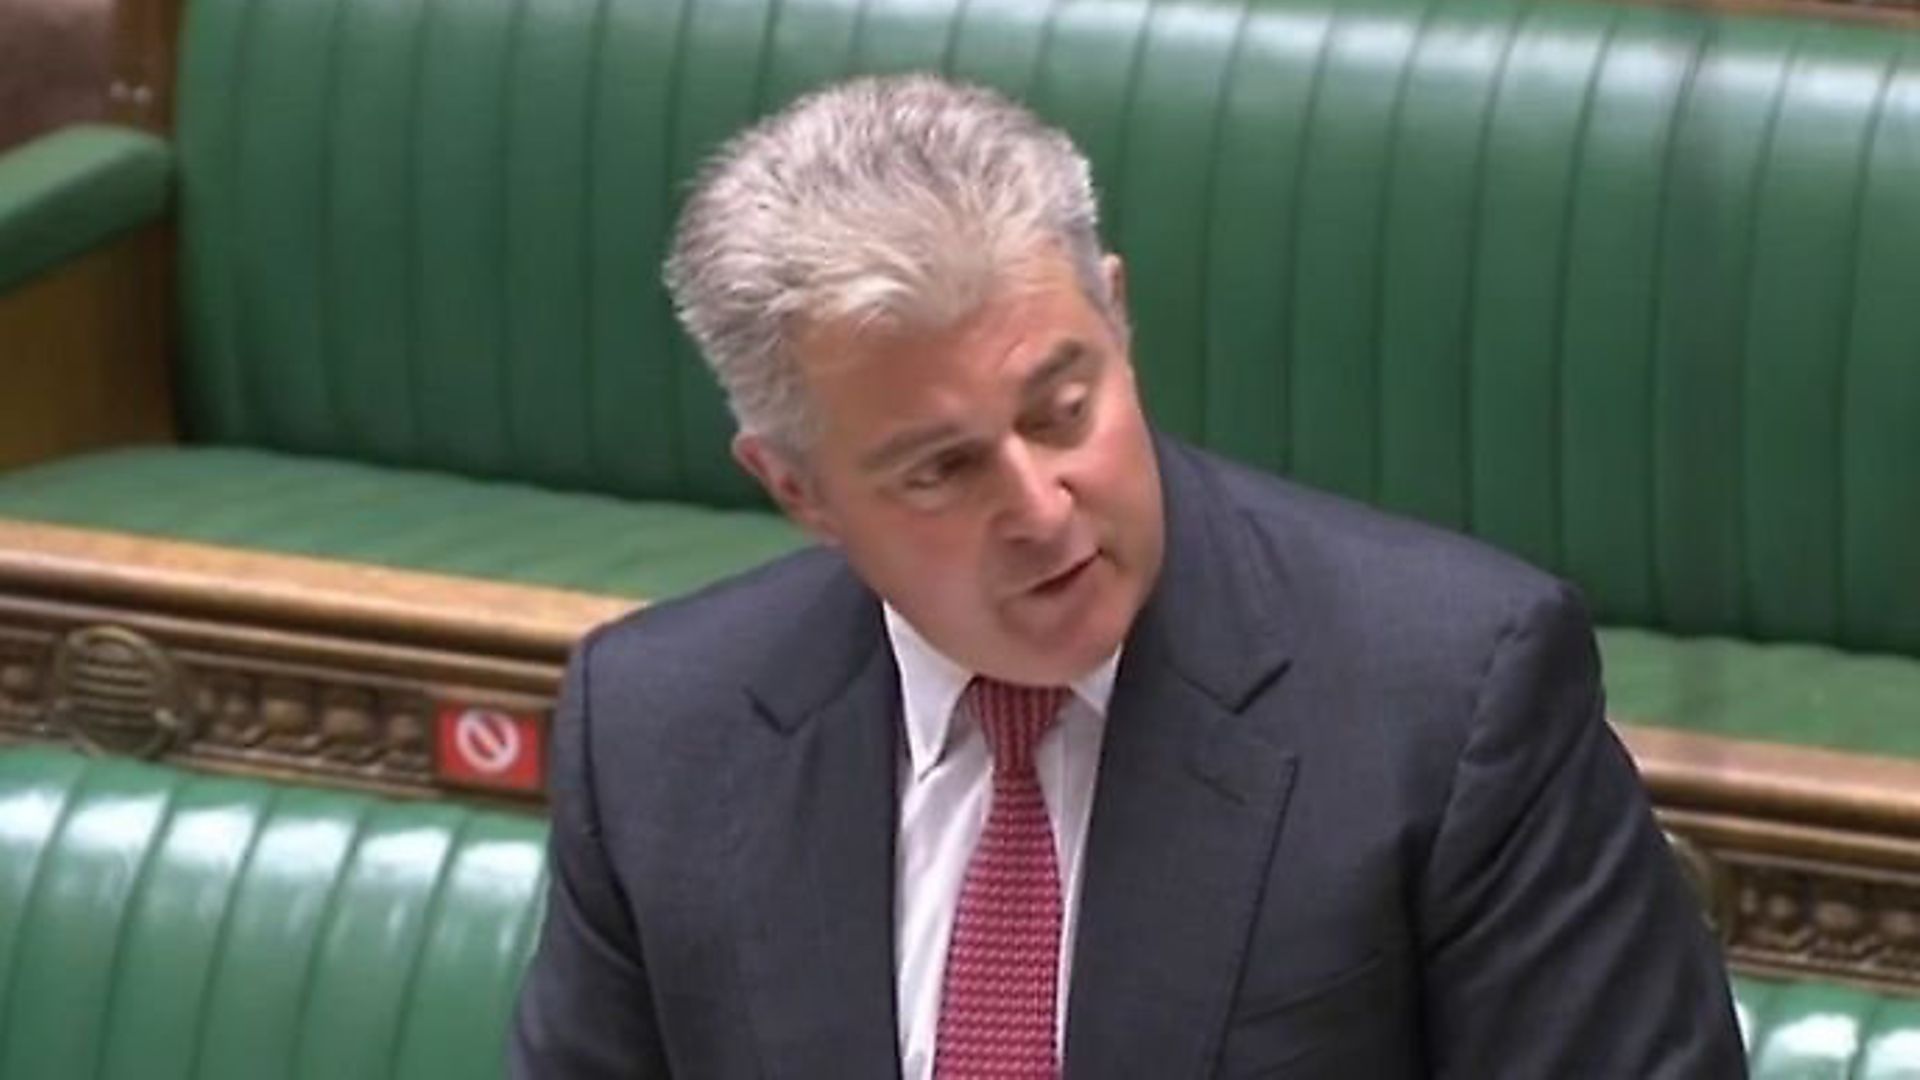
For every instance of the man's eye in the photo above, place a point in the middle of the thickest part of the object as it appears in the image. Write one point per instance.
(1068, 410)
(935, 473)
(1074, 406)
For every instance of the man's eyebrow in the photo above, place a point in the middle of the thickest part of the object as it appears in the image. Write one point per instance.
(1064, 357)
(907, 444)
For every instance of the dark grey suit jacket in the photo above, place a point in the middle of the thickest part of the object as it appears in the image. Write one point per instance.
(1358, 815)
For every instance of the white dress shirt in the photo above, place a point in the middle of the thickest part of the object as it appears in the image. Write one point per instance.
(945, 785)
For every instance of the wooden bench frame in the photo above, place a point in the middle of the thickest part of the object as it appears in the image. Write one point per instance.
(1807, 860)
(283, 667)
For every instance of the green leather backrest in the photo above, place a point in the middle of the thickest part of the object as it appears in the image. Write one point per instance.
(1817, 1031)
(158, 925)
(1629, 290)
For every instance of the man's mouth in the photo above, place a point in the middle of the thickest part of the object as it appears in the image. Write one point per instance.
(1058, 582)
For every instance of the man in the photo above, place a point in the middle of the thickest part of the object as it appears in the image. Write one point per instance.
(1072, 749)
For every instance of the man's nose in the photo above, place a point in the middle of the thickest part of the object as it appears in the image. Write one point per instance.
(1038, 502)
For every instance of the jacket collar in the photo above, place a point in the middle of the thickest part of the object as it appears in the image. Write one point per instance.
(1190, 800)
(1192, 793)
(1217, 615)
(1210, 617)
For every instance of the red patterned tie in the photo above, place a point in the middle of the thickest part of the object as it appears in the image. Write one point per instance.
(997, 1008)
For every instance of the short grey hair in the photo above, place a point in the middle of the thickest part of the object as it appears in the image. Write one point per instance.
(898, 201)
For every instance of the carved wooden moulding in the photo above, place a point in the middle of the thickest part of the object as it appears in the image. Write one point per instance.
(288, 668)
(116, 690)
(1827, 919)
(1808, 917)
(1808, 861)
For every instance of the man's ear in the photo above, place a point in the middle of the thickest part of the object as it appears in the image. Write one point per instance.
(788, 482)
(1115, 271)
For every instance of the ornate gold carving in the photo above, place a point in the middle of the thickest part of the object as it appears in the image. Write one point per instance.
(1705, 875)
(334, 711)
(19, 679)
(335, 724)
(1898, 925)
(23, 681)
(270, 665)
(116, 692)
(1827, 919)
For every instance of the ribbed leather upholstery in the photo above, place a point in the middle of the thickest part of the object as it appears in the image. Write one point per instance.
(404, 518)
(1814, 1031)
(1810, 694)
(67, 191)
(429, 234)
(1813, 695)
(157, 924)
(161, 925)
(1628, 290)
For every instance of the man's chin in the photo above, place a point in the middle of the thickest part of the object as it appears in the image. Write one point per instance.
(1059, 657)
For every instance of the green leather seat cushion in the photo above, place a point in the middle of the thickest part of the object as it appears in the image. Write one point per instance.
(396, 517)
(1812, 1031)
(508, 531)
(1810, 695)
(165, 925)
(157, 923)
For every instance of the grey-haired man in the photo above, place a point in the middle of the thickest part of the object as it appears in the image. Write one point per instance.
(1071, 750)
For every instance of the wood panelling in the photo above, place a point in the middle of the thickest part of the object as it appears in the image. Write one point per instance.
(55, 65)
(83, 353)
(144, 48)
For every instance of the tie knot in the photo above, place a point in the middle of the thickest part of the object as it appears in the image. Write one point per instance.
(1013, 719)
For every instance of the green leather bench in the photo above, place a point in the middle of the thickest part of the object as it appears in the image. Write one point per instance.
(158, 924)
(161, 924)
(1625, 289)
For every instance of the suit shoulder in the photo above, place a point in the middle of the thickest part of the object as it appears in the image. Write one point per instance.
(1398, 628)
(1385, 564)
(714, 636)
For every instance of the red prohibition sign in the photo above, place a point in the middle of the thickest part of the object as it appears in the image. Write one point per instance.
(488, 740)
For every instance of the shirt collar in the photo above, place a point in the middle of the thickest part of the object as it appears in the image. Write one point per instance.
(931, 684)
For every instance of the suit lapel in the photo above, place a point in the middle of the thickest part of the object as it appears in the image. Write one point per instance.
(815, 807)
(1189, 802)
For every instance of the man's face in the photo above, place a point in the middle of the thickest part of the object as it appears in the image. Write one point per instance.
(994, 480)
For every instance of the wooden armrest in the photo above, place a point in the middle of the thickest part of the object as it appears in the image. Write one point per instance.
(84, 352)
(269, 591)
(1808, 860)
(282, 666)
(1800, 784)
